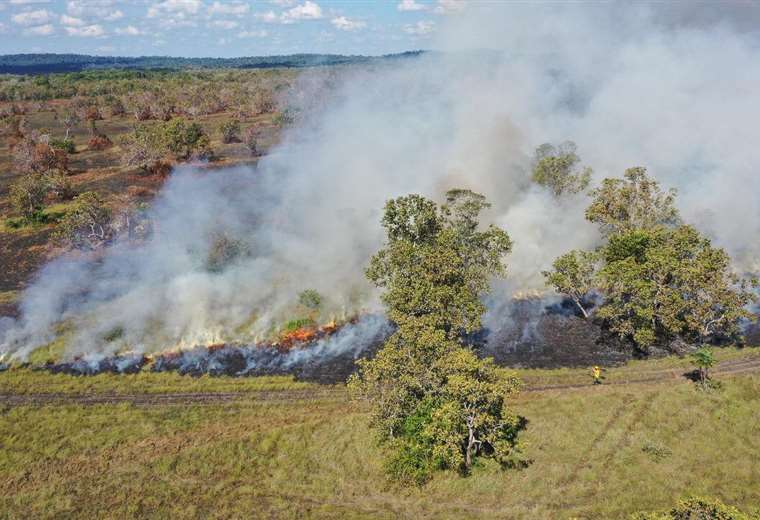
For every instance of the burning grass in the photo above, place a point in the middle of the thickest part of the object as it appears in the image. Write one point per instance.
(301, 350)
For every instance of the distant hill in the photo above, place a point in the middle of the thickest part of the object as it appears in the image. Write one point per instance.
(50, 63)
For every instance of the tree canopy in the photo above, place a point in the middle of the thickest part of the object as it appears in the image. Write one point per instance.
(434, 401)
(558, 169)
(659, 279)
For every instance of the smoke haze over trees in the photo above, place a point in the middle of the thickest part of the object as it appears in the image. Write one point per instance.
(630, 85)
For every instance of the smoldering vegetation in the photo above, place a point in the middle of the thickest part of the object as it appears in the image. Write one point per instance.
(631, 85)
(326, 357)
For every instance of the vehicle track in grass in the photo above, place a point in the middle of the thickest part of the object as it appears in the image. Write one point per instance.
(660, 376)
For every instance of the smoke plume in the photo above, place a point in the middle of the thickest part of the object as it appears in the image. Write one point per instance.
(648, 84)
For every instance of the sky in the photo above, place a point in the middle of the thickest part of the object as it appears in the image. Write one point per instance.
(221, 28)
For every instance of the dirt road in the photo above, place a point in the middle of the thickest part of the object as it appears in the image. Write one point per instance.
(660, 376)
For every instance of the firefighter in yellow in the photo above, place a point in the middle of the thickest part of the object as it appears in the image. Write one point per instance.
(597, 373)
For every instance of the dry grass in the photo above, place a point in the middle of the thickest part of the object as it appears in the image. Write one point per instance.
(600, 452)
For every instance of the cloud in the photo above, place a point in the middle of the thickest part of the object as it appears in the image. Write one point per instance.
(268, 17)
(223, 24)
(40, 30)
(228, 8)
(421, 28)
(28, 18)
(306, 11)
(283, 3)
(72, 21)
(253, 34)
(410, 5)
(129, 30)
(88, 31)
(450, 6)
(27, 2)
(344, 24)
(100, 9)
(177, 7)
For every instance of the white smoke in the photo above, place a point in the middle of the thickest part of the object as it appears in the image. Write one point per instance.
(634, 85)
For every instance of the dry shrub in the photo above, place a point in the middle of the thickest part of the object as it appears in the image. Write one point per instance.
(99, 142)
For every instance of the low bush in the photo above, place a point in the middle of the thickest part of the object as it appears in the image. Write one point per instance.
(696, 508)
(66, 144)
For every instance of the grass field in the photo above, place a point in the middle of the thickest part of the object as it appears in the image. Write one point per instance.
(594, 452)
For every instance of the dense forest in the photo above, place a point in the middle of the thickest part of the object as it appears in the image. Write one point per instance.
(50, 63)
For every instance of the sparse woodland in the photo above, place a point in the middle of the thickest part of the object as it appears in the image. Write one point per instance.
(431, 412)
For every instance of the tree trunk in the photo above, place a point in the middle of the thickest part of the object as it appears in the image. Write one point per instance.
(583, 310)
(471, 442)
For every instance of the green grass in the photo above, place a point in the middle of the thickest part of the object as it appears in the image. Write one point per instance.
(27, 381)
(634, 369)
(50, 215)
(600, 452)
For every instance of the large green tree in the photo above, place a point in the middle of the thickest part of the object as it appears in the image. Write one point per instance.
(433, 400)
(660, 280)
(664, 283)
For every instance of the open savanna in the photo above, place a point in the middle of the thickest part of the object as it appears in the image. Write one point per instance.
(26, 246)
(590, 451)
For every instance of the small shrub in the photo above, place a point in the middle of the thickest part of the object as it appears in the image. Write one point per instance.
(230, 131)
(655, 450)
(284, 118)
(704, 360)
(87, 224)
(65, 144)
(223, 252)
(99, 142)
(696, 508)
(59, 185)
(298, 323)
(249, 138)
(27, 195)
(310, 299)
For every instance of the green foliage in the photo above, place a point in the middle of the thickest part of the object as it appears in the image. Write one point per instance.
(635, 202)
(436, 265)
(87, 223)
(667, 283)
(704, 359)
(184, 139)
(295, 324)
(310, 299)
(27, 195)
(696, 508)
(557, 168)
(473, 417)
(223, 251)
(66, 144)
(175, 139)
(434, 401)
(574, 274)
(660, 280)
(143, 147)
(230, 131)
